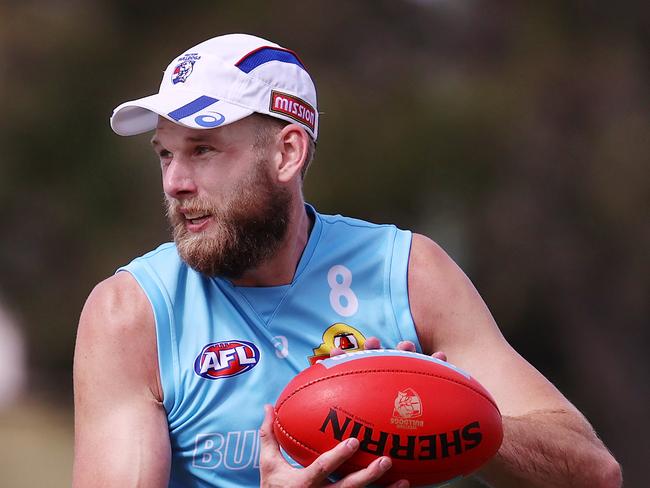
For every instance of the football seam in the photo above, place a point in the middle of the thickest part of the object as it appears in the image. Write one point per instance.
(349, 373)
(292, 438)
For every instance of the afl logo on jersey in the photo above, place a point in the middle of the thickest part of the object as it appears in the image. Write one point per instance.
(226, 359)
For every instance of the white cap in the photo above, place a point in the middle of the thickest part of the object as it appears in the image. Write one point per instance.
(222, 80)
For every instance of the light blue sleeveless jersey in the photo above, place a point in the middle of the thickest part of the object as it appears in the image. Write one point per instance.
(224, 351)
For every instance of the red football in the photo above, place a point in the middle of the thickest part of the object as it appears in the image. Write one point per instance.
(434, 420)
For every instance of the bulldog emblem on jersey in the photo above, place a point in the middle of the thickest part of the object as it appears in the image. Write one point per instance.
(339, 335)
(226, 359)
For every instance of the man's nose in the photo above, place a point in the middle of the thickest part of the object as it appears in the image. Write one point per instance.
(178, 179)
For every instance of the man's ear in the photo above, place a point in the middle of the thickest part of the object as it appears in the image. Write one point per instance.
(293, 144)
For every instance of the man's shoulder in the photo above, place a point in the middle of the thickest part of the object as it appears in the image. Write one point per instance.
(117, 302)
(426, 259)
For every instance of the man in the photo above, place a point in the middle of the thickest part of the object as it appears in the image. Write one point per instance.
(179, 351)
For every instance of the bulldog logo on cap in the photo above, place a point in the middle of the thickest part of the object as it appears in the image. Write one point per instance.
(184, 68)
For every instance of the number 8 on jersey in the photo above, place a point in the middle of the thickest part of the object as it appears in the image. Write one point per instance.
(342, 298)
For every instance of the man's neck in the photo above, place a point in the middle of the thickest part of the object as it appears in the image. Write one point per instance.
(281, 267)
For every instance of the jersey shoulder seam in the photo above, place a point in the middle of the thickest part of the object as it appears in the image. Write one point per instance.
(339, 219)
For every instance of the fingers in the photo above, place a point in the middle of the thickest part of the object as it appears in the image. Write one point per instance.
(375, 343)
(440, 355)
(372, 343)
(327, 462)
(363, 477)
(409, 346)
(266, 430)
(406, 346)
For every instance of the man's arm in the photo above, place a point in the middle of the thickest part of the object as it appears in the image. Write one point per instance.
(547, 441)
(121, 434)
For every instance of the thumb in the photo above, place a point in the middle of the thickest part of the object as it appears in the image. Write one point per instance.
(269, 448)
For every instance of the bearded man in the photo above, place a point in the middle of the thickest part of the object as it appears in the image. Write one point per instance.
(180, 353)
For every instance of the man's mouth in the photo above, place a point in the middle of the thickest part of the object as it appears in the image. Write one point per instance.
(195, 220)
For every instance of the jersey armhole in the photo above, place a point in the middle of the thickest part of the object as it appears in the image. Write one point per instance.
(165, 334)
(398, 287)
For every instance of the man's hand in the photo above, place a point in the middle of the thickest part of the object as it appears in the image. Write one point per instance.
(276, 472)
(374, 343)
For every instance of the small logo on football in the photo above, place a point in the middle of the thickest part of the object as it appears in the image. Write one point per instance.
(407, 407)
(407, 404)
(184, 67)
(226, 359)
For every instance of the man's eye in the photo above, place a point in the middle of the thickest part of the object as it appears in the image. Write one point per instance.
(202, 149)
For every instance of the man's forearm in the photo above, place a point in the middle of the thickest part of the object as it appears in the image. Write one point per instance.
(551, 449)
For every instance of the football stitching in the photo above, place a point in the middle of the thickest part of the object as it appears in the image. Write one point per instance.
(296, 441)
(349, 373)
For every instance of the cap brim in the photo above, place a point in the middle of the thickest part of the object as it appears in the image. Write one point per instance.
(191, 110)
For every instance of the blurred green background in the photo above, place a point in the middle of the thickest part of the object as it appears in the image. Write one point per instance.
(516, 134)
